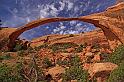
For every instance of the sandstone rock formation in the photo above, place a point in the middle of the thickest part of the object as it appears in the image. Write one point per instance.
(88, 38)
(4, 34)
(118, 1)
(101, 70)
(56, 72)
(111, 22)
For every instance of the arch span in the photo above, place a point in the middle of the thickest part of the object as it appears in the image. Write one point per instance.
(94, 20)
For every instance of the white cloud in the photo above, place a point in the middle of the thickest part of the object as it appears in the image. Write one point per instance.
(78, 25)
(47, 27)
(28, 19)
(62, 27)
(70, 5)
(72, 22)
(62, 5)
(71, 32)
(61, 32)
(53, 11)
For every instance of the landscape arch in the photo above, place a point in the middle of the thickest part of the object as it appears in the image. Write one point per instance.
(96, 20)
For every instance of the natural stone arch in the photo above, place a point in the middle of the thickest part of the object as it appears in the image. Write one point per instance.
(89, 19)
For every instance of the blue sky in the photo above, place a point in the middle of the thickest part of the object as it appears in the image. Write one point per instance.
(15, 13)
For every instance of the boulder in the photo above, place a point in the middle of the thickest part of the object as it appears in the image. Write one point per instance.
(60, 80)
(56, 72)
(73, 80)
(89, 54)
(70, 50)
(101, 69)
(88, 48)
(86, 66)
(97, 58)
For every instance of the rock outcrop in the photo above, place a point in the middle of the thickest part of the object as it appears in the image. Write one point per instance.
(101, 70)
(89, 38)
(4, 34)
(56, 72)
(110, 21)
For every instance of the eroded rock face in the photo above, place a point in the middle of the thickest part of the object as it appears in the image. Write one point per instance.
(101, 69)
(56, 72)
(118, 1)
(4, 34)
(111, 22)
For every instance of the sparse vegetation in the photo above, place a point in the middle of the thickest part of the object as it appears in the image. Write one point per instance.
(80, 48)
(46, 62)
(75, 60)
(6, 56)
(21, 53)
(62, 46)
(18, 47)
(104, 57)
(61, 63)
(10, 73)
(45, 45)
(95, 46)
(75, 71)
(117, 56)
(118, 74)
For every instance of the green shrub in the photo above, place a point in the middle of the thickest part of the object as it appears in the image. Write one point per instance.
(64, 62)
(41, 46)
(95, 46)
(6, 56)
(117, 56)
(118, 74)
(7, 74)
(75, 61)
(104, 57)
(80, 48)
(21, 53)
(75, 73)
(46, 62)
(62, 46)
(18, 47)
(55, 48)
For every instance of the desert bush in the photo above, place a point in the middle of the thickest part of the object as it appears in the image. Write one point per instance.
(45, 45)
(6, 56)
(21, 53)
(7, 74)
(118, 74)
(95, 46)
(117, 56)
(75, 61)
(64, 62)
(62, 46)
(80, 48)
(18, 47)
(75, 73)
(104, 57)
(46, 62)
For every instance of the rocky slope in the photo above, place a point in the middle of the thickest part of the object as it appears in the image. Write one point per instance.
(90, 38)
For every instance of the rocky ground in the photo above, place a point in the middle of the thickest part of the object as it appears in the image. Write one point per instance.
(57, 56)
